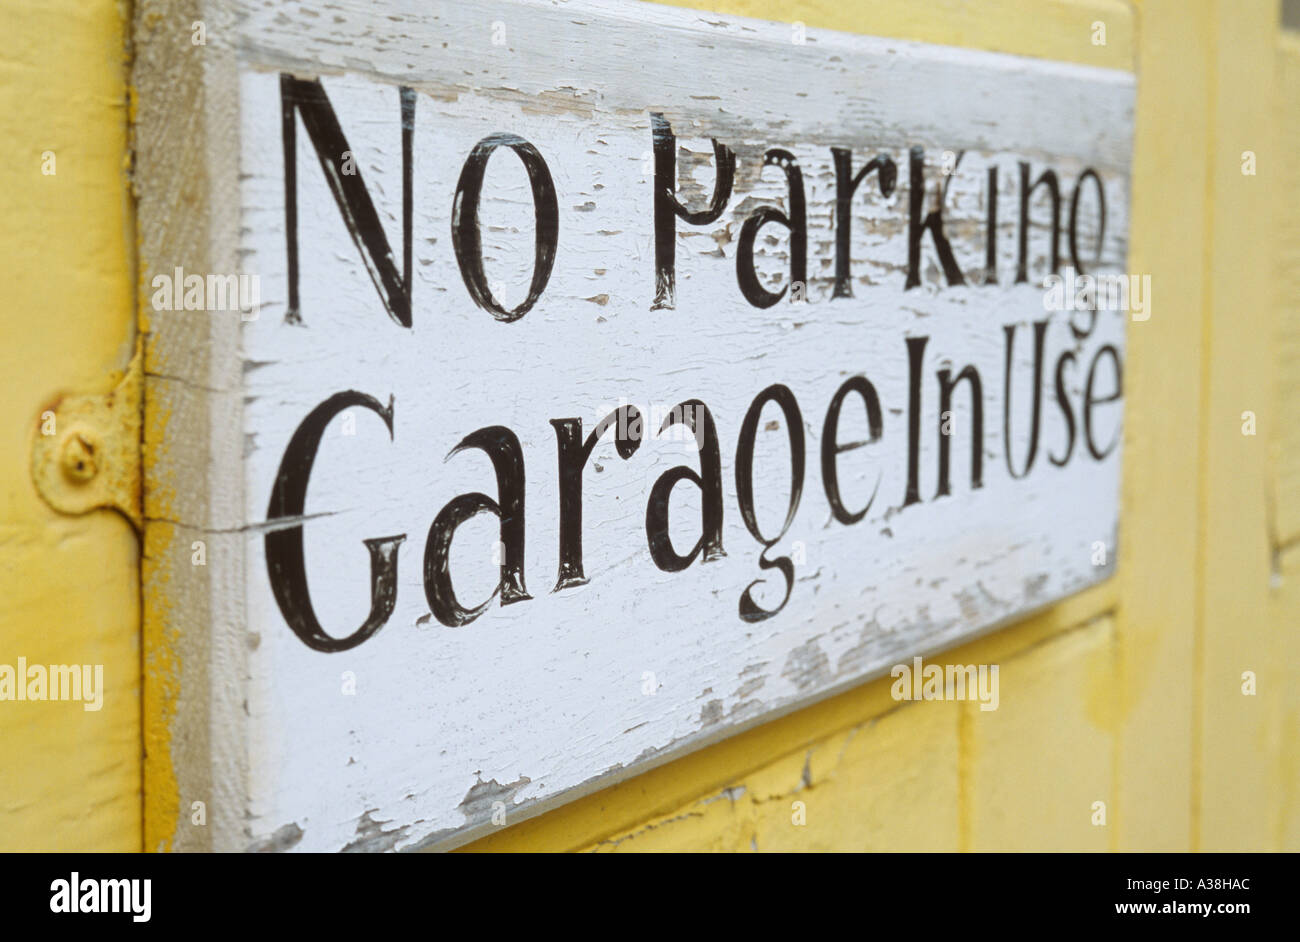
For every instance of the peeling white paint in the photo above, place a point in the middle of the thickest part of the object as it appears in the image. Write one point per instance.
(533, 702)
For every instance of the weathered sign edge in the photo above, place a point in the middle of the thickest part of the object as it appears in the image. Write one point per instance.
(531, 808)
(185, 122)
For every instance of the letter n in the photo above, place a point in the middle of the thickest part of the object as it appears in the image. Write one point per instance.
(1048, 180)
(307, 98)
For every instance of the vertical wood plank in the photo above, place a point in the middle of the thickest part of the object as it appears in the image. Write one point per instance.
(1286, 434)
(1044, 757)
(1285, 584)
(1236, 802)
(1158, 529)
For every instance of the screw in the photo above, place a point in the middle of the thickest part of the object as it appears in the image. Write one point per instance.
(79, 456)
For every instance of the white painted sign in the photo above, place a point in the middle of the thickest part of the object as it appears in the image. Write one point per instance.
(620, 377)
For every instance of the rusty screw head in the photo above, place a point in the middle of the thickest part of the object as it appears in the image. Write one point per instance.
(78, 456)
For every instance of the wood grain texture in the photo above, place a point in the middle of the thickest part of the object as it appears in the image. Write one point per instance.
(1056, 30)
(187, 204)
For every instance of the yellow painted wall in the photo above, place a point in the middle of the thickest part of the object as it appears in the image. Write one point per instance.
(1129, 694)
(69, 586)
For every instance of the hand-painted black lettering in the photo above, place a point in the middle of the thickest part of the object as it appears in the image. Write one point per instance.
(1063, 400)
(502, 446)
(832, 449)
(574, 454)
(667, 208)
(695, 415)
(307, 98)
(991, 230)
(466, 238)
(1089, 401)
(946, 386)
(796, 222)
(1040, 334)
(285, 564)
(1088, 174)
(749, 609)
(846, 184)
(915, 360)
(932, 222)
(1048, 179)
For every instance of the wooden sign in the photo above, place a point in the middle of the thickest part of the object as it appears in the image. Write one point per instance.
(592, 381)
